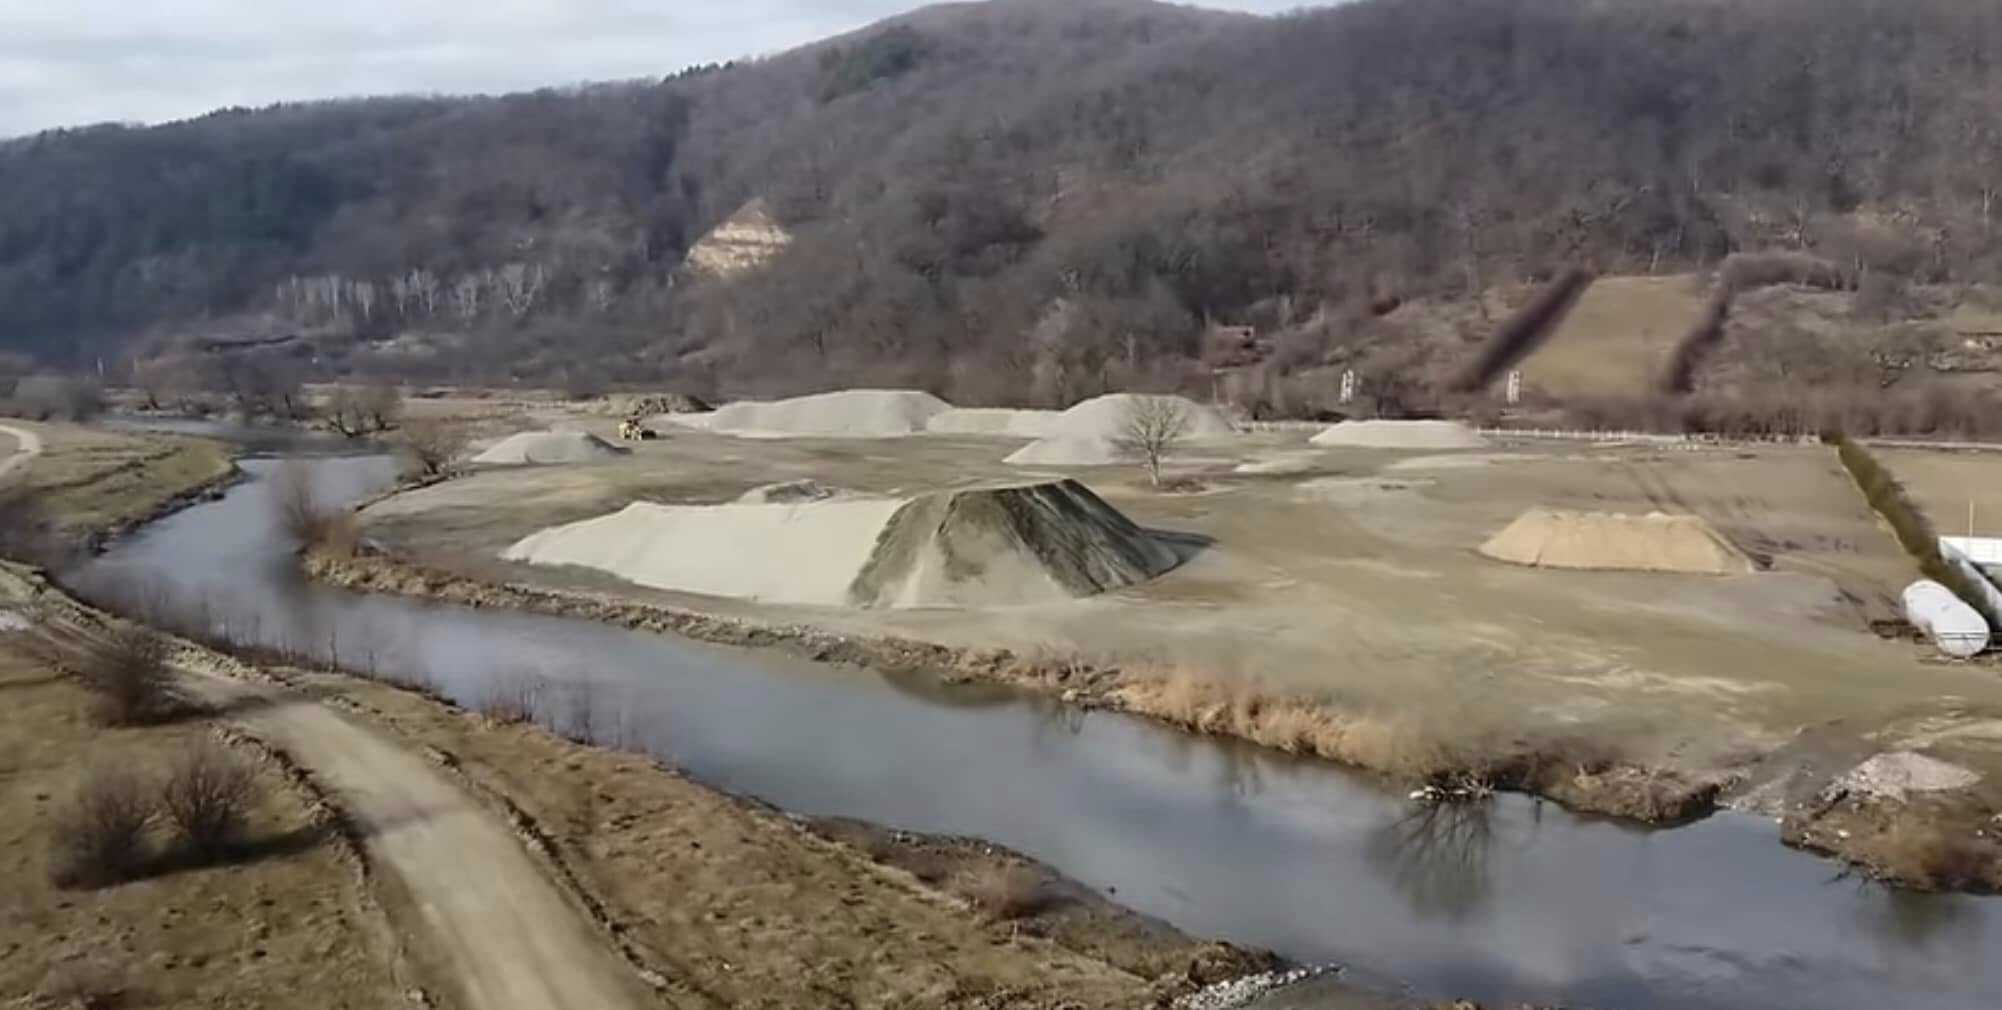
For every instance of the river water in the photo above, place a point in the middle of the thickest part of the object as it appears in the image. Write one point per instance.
(1510, 901)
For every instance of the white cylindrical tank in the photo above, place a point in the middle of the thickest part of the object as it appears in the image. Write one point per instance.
(1958, 629)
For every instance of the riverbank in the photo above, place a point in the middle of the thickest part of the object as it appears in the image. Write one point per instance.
(1558, 770)
(723, 901)
(88, 486)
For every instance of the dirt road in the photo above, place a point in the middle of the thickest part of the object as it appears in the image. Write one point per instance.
(28, 446)
(509, 939)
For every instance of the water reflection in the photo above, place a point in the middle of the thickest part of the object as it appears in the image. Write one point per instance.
(1437, 856)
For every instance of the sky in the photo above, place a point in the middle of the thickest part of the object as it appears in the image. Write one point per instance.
(76, 62)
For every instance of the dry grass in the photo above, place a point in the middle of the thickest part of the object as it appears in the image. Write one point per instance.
(1925, 855)
(87, 481)
(85, 983)
(1005, 891)
(1443, 745)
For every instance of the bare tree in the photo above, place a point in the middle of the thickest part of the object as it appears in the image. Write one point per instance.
(1151, 428)
(343, 413)
(429, 447)
(381, 404)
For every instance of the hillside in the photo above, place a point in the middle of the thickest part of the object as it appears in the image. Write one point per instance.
(1028, 199)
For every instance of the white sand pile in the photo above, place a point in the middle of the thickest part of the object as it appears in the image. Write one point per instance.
(1597, 540)
(1070, 451)
(853, 413)
(985, 547)
(999, 422)
(791, 492)
(1088, 434)
(1401, 435)
(1106, 417)
(549, 447)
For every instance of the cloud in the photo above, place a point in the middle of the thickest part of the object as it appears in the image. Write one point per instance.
(72, 62)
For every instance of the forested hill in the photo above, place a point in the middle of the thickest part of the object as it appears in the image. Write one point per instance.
(1024, 198)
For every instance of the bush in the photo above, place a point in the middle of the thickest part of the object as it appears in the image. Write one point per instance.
(208, 797)
(56, 398)
(128, 670)
(1005, 890)
(430, 447)
(315, 528)
(100, 837)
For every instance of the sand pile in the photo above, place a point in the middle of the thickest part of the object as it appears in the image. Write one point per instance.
(853, 413)
(790, 492)
(999, 422)
(985, 547)
(1595, 540)
(1088, 434)
(1401, 435)
(549, 447)
(663, 403)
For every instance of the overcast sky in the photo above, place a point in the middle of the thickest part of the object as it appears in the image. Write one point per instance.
(72, 62)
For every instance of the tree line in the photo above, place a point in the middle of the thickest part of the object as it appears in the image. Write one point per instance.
(1029, 201)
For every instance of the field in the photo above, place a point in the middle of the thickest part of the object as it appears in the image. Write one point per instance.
(1618, 338)
(91, 481)
(1348, 583)
(289, 925)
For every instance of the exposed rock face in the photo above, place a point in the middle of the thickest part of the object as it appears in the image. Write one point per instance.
(745, 241)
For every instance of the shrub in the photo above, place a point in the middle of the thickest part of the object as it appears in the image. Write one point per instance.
(100, 837)
(87, 983)
(208, 797)
(128, 670)
(1005, 890)
(314, 527)
(429, 447)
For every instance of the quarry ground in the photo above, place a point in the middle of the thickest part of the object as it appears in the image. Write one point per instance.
(1349, 579)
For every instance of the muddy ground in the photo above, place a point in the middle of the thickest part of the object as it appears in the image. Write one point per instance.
(1348, 581)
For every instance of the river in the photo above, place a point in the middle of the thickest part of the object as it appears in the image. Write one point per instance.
(1514, 900)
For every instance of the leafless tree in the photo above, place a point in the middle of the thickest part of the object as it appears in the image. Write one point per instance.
(343, 413)
(1151, 428)
(380, 402)
(429, 447)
